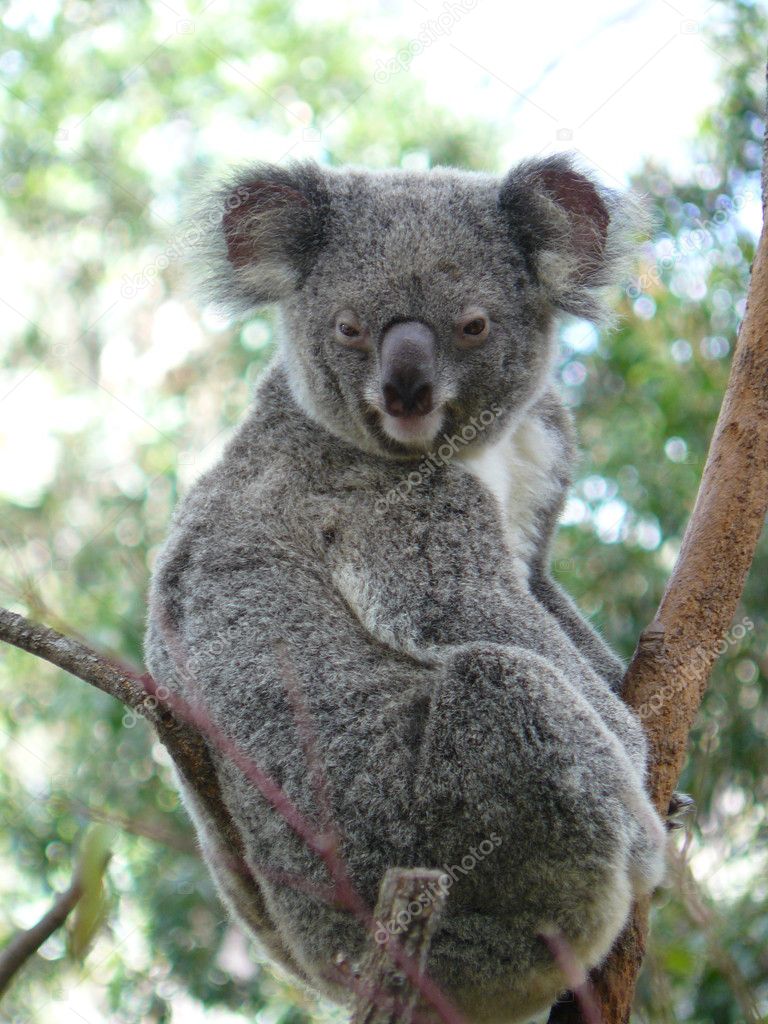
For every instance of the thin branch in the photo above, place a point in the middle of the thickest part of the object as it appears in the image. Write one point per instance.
(184, 743)
(76, 658)
(25, 944)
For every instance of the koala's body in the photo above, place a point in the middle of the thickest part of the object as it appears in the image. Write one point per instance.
(367, 566)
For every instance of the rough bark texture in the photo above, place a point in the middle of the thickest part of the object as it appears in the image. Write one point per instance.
(392, 972)
(670, 668)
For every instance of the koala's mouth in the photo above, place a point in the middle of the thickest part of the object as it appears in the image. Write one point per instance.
(403, 435)
(412, 431)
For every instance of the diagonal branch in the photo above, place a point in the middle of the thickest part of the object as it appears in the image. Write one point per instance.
(184, 743)
(76, 658)
(26, 943)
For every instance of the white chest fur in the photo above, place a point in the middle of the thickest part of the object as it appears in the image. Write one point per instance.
(520, 472)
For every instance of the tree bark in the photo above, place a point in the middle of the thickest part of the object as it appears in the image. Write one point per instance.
(392, 971)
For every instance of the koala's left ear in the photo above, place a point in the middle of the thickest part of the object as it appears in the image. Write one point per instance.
(262, 231)
(575, 235)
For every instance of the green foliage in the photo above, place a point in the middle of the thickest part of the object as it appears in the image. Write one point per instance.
(92, 909)
(118, 392)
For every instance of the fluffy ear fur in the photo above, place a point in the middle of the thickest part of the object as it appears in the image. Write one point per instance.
(576, 235)
(261, 232)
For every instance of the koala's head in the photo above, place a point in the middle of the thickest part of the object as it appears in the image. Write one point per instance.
(413, 302)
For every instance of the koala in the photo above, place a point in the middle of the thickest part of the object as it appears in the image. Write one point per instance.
(358, 593)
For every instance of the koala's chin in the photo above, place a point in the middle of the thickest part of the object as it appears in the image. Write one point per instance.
(413, 431)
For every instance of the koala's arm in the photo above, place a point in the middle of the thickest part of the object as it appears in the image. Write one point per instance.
(593, 647)
(585, 637)
(254, 635)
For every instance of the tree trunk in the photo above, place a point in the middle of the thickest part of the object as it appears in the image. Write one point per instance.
(668, 674)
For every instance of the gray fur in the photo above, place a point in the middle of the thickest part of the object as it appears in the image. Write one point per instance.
(454, 692)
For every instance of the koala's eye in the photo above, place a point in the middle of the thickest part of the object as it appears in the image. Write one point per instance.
(350, 332)
(473, 329)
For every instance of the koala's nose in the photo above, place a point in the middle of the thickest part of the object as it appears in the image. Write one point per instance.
(408, 369)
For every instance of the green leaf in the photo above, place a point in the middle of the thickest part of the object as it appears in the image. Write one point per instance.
(92, 908)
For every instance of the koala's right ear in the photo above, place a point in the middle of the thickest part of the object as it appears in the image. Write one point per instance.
(262, 231)
(576, 235)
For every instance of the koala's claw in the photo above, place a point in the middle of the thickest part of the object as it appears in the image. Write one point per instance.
(681, 808)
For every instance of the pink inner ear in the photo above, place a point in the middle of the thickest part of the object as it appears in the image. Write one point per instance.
(589, 215)
(244, 208)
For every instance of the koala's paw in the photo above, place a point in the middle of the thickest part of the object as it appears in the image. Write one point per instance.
(681, 809)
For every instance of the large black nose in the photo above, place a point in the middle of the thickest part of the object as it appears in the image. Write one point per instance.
(408, 369)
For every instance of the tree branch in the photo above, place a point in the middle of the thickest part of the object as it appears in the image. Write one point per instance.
(26, 943)
(183, 741)
(74, 657)
(668, 674)
(392, 981)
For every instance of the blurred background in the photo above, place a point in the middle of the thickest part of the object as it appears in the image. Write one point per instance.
(116, 391)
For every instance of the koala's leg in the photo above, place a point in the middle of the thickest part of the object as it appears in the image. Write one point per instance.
(512, 750)
(239, 890)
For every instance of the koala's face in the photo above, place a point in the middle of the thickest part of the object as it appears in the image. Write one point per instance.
(416, 304)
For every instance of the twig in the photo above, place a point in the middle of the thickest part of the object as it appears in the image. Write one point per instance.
(26, 943)
(74, 657)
